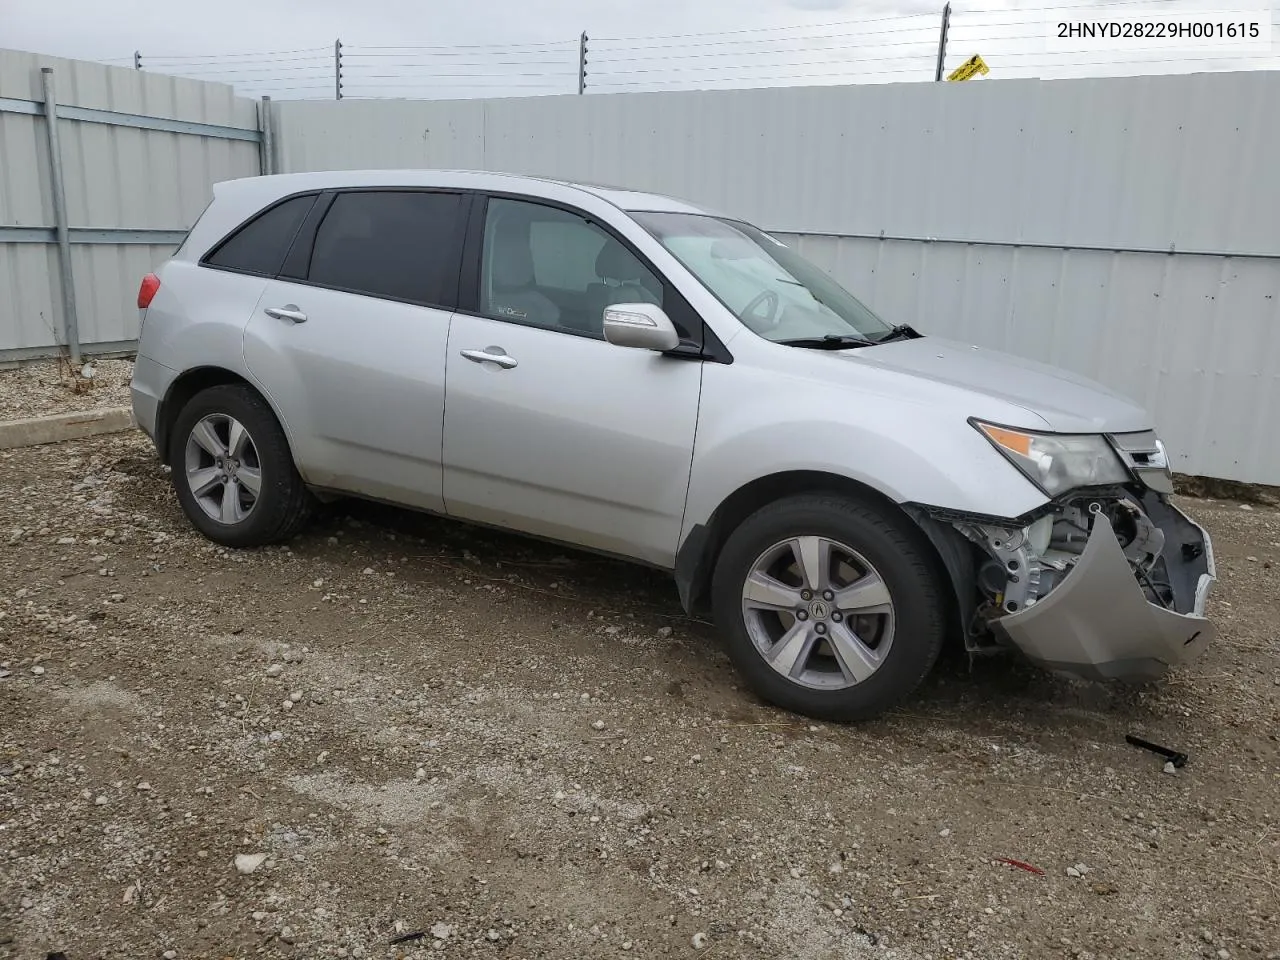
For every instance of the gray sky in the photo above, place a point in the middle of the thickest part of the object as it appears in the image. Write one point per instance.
(429, 48)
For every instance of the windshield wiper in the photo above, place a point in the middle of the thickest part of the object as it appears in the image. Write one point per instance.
(830, 342)
(901, 332)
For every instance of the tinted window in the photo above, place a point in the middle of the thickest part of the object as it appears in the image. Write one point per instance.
(261, 244)
(398, 245)
(552, 268)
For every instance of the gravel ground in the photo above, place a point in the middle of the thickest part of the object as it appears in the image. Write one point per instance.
(399, 725)
(39, 387)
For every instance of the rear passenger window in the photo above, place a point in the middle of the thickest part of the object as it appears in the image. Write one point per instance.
(261, 244)
(397, 245)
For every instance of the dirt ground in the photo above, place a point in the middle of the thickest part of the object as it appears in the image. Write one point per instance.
(522, 752)
(39, 387)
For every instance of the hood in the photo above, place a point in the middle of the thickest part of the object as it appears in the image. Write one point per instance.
(1067, 403)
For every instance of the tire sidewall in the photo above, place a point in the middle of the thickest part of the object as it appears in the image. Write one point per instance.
(273, 456)
(897, 556)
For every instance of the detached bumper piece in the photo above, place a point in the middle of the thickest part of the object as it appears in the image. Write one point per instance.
(1099, 622)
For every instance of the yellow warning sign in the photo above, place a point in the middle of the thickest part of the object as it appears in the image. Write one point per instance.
(970, 68)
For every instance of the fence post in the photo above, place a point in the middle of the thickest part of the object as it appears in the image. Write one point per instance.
(942, 40)
(267, 161)
(70, 322)
(582, 63)
(337, 69)
(137, 60)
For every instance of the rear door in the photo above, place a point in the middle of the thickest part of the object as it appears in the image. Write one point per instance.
(349, 341)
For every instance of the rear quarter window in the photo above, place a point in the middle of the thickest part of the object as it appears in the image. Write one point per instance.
(259, 246)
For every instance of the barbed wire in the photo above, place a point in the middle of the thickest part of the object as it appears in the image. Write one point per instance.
(901, 47)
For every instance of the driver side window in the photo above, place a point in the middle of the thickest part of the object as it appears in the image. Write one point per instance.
(547, 267)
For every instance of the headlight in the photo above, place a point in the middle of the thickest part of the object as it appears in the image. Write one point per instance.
(1058, 462)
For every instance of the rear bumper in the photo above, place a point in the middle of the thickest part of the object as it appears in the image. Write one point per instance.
(149, 386)
(1098, 622)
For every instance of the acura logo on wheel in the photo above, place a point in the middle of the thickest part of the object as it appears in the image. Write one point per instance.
(819, 610)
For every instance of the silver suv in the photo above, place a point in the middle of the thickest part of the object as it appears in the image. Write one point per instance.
(633, 375)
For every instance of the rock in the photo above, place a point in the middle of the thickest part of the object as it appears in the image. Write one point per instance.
(368, 571)
(796, 873)
(1082, 869)
(286, 706)
(493, 935)
(598, 725)
(287, 934)
(1170, 769)
(945, 832)
(170, 955)
(442, 931)
(143, 785)
(1072, 872)
(247, 863)
(317, 583)
(259, 915)
(275, 670)
(101, 800)
(699, 941)
(38, 670)
(647, 759)
(665, 632)
(1224, 954)
(627, 944)
(296, 696)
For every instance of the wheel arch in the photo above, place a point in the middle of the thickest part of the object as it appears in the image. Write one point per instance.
(697, 556)
(192, 382)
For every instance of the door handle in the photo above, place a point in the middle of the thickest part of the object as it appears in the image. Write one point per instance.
(491, 355)
(288, 312)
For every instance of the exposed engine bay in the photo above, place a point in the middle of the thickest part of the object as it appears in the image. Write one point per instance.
(1025, 565)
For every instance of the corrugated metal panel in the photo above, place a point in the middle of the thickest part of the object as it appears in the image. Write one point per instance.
(1142, 163)
(1133, 162)
(1195, 339)
(115, 177)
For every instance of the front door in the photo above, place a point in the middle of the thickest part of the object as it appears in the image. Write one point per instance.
(352, 350)
(562, 434)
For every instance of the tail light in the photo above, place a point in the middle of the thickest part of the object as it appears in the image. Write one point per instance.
(147, 292)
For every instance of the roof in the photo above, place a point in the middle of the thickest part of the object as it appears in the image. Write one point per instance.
(282, 184)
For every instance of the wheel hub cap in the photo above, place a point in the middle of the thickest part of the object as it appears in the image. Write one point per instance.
(223, 471)
(818, 612)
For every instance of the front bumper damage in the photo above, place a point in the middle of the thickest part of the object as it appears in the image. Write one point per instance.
(1099, 623)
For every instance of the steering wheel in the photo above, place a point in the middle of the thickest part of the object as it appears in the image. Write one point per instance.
(760, 299)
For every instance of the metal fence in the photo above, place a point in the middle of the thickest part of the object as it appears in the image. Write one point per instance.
(1122, 228)
(103, 171)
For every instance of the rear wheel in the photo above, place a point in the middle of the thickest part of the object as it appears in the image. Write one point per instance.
(233, 470)
(830, 607)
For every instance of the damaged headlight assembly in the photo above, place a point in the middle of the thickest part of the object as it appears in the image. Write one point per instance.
(1058, 463)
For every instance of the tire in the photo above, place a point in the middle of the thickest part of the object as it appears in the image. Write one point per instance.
(874, 553)
(281, 505)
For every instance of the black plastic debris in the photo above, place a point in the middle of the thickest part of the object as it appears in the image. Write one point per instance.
(1179, 760)
(406, 937)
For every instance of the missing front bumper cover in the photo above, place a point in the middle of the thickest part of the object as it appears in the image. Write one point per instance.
(1098, 623)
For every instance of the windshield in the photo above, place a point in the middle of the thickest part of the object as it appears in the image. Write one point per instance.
(774, 291)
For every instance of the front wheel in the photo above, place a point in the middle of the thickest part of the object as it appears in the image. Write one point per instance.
(233, 470)
(830, 607)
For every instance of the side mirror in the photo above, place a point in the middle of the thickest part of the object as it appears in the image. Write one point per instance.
(641, 325)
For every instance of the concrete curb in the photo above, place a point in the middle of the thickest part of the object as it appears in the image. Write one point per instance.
(64, 426)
